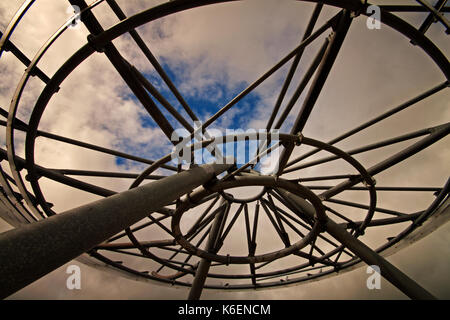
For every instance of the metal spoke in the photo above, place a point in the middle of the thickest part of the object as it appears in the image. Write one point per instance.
(266, 75)
(282, 217)
(407, 189)
(275, 225)
(56, 176)
(280, 197)
(303, 83)
(278, 218)
(362, 206)
(140, 227)
(123, 68)
(409, 8)
(203, 268)
(386, 221)
(294, 65)
(230, 225)
(436, 134)
(253, 161)
(201, 225)
(9, 46)
(158, 96)
(149, 55)
(440, 4)
(375, 120)
(160, 225)
(321, 178)
(366, 148)
(250, 244)
(90, 146)
(298, 208)
(436, 14)
(203, 215)
(107, 174)
(130, 245)
(337, 39)
(338, 214)
(189, 256)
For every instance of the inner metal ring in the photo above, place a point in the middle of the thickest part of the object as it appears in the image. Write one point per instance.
(242, 181)
(192, 199)
(231, 198)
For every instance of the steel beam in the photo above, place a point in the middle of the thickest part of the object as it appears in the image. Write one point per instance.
(124, 70)
(396, 277)
(431, 19)
(203, 268)
(336, 40)
(376, 120)
(30, 252)
(294, 65)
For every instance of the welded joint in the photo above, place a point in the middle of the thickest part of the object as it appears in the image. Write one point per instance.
(37, 176)
(209, 184)
(91, 39)
(217, 247)
(371, 183)
(232, 168)
(417, 222)
(190, 202)
(322, 224)
(358, 232)
(357, 12)
(299, 139)
(351, 225)
(331, 36)
(337, 268)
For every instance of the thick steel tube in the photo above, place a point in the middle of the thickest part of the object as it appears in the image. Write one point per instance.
(29, 252)
(396, 277)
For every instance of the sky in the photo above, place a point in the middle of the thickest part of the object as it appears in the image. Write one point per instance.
(212, 54)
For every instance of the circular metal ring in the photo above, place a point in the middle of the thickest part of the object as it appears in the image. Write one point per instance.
(266, 181)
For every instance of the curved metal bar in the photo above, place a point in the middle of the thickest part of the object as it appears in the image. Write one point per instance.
(176, 6)
(389, 248)
(13, 24)
(436, 55)
(12, 118)
(247, 181)
(15, 201)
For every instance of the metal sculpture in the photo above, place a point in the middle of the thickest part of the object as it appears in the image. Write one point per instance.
(286, 202)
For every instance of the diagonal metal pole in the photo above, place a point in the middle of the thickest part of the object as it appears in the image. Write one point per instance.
(336, 40)
(294, 65)
(431, 19)
(30, 252)
(204, 265)
(400, 280)
(124, 70)
(375, 120)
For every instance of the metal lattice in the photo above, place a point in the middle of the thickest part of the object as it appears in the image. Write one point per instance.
(195, 248)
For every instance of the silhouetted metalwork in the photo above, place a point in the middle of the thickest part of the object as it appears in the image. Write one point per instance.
(189, 256)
